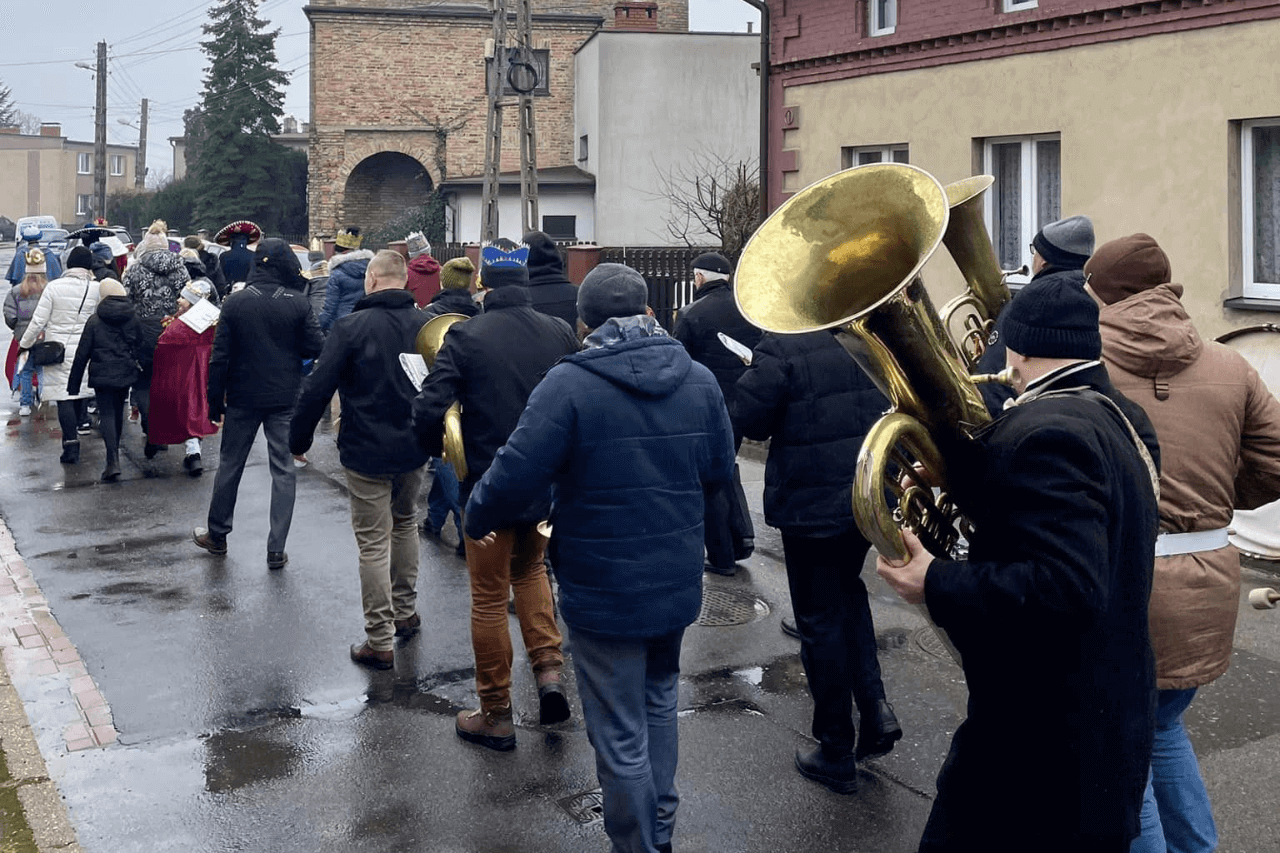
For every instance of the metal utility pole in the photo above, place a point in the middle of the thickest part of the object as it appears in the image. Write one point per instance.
(493, 126)
(529, 220)
(100, 137)
(140, 165)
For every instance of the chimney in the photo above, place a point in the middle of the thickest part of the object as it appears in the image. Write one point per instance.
(50, 128)
(635, 15)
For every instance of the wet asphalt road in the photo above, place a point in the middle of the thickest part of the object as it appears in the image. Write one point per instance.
(243, 725)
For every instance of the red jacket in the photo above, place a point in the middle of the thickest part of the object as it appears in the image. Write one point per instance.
(424, 278)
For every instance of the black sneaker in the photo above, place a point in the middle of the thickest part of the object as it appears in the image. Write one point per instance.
(192, 464)
(277, 559)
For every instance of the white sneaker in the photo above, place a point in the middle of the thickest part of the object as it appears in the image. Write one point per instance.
(24, 411)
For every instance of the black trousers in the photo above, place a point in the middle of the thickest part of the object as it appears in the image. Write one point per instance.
(727, 529)
(111, 419)
(72, 413)
(837, 636)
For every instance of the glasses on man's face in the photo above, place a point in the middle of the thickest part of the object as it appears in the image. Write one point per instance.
(1032, 247)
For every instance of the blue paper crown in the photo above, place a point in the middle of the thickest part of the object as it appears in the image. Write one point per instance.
(493, 256)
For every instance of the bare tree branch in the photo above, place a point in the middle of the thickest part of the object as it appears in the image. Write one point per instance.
(711, 198)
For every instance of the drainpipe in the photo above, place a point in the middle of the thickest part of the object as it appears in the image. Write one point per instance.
(763, 7)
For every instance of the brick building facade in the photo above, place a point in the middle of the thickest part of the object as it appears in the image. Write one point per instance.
(398, 97)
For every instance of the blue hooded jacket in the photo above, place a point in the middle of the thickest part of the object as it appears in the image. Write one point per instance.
(628, 433)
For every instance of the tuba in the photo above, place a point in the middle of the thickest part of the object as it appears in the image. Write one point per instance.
(845, 254)
(970, 246)
(430, 339)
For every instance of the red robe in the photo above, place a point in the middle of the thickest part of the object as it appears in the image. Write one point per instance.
(179, 381)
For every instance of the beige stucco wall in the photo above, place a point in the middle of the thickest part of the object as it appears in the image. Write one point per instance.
(1146, 125)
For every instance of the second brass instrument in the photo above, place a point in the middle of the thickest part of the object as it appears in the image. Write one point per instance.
(430, 339)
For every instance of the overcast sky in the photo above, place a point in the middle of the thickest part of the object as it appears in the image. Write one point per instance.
(153, 52)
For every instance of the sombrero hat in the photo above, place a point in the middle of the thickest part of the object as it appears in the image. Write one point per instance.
(240, 226)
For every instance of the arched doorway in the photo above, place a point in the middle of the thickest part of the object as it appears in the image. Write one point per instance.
(381, 188)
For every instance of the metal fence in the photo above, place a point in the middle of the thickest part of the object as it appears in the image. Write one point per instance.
(668, 273)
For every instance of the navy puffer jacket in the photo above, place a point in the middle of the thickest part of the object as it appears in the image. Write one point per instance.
(811, 400)
(345, 287)
(629, 434)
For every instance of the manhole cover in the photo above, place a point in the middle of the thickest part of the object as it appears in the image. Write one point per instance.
(724, 607)
(929, 642)
(586, 808)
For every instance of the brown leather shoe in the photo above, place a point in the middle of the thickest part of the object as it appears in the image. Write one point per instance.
(211, 542)
(493, 728)
(408, 627)
(362, 654)
(553, 707)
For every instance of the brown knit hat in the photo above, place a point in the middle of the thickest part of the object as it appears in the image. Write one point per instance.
(1126, 266)
(457, 273)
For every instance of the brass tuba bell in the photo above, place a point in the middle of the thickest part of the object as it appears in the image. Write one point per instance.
(430, 339)
(845, 254)
(970, 317)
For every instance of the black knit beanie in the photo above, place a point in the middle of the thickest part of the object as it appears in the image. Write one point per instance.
(1053, 317)
(80, 258)
(1067, 243)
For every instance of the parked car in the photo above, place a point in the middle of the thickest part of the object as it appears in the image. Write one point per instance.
(54, 239)
(8, 229)
(44, 222)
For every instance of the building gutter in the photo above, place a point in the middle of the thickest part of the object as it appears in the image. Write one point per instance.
(763, 8)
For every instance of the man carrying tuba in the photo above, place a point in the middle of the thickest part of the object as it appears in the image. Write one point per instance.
(1049, 610)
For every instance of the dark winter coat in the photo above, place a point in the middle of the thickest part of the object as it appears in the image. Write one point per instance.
(361, 361)
(552, 293)
(490, 363)
(713, 310)
(110, 346)
(264, 333)
(213, 271)
(454, 300)
(345, 287)
(630, 433)
(1049, 614)
(811, 401)
(236, 262)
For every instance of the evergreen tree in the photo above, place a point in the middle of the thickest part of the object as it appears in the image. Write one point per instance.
(237, 165)
(8, 111)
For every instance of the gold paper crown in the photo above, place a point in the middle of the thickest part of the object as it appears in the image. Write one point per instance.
(34, 258)
(349, 238)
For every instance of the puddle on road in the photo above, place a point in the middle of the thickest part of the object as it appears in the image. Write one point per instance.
(234, 759)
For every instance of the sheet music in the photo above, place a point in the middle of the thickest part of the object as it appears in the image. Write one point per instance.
(200, 316)
(415, 367)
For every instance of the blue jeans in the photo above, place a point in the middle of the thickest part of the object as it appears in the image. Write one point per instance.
(1176, 815)
(628, 687)
(442, 498)
(26, 394)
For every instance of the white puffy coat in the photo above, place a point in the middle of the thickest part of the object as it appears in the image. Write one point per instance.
(65, 306)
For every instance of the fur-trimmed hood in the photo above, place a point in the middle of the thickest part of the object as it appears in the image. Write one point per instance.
(346, 257)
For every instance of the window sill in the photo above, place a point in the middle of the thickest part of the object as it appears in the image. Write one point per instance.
(1246, 303)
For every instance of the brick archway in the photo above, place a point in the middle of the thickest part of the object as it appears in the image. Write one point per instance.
(381, 187)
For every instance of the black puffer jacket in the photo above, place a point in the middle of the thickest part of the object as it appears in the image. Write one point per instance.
(811, 400)
(552, 293)
(236, 262)
(361, 361)
(454, 300)
(697, 324)
(111, 346)
(264, 333)
(491, 363)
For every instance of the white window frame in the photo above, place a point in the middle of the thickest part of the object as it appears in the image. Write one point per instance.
(850, 154)
(84, 166)
(1019, 5)
(117, 159)
(1253, 289)
(883, 15)
(83, 202)
(1030, 195)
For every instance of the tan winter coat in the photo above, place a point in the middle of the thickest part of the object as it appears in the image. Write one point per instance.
(1219, 431)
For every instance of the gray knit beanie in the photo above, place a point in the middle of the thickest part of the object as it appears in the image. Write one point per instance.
(1067, 243)
(611, 290)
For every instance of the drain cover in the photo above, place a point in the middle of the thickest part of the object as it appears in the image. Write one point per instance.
(928, 641)
(724, 607)
(586, 808)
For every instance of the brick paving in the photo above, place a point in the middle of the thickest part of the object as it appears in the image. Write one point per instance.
(38, 654)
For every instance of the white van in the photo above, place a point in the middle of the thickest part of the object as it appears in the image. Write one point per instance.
(42, 222)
